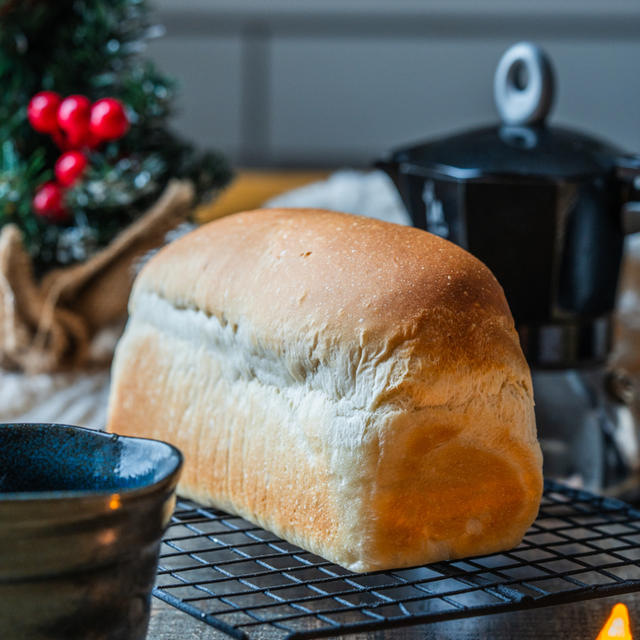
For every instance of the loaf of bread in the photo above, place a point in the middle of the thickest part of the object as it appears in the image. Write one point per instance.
(354, 386)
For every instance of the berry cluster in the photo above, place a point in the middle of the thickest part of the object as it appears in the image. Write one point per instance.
(76, 126)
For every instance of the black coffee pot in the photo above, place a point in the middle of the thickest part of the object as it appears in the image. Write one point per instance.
(546, 208)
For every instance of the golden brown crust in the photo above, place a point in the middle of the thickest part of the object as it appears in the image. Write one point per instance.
(321, 262)
(348, 273)
(355, 386)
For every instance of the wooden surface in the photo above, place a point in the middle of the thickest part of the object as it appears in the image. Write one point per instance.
(251, 188)
(580, 621)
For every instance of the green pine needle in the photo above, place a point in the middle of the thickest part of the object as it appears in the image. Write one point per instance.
(88, 47)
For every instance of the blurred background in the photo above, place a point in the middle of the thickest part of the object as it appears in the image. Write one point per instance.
(288, 103)
(326, 83)
(283, 103)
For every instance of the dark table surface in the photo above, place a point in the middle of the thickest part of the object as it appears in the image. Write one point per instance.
(579, 621)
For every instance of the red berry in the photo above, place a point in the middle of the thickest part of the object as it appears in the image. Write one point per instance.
(60, 139)
(43, 111)
(73, 119)
(108, 119)
(48, 203)
(69, 167)
(93, 141)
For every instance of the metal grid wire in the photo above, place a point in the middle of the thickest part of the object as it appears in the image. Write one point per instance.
(246, 582)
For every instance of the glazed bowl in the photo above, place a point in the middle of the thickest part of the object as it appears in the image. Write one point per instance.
(81, 519)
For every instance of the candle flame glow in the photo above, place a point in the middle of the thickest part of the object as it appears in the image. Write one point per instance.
(617, 626)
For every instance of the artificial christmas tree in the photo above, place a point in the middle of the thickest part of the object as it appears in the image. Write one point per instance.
(90, 175)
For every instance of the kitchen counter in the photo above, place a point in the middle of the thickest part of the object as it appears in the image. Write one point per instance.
(579, 621)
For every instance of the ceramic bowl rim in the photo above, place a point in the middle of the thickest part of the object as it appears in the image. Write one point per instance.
(127, 494)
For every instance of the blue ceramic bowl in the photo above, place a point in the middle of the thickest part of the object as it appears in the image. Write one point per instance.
(81, 518)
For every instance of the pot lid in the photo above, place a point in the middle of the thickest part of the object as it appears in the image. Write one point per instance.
(522, 145)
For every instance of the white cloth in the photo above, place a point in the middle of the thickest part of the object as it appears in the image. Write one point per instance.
(69, 398)
(81, 397)
(369, 194)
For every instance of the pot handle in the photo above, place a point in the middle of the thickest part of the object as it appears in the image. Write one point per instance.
(628, 174)
(523, 85)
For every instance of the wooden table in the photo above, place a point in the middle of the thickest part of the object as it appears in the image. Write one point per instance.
(581, 621)
(251, 188)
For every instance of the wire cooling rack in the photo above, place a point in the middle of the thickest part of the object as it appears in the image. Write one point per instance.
(247, 582)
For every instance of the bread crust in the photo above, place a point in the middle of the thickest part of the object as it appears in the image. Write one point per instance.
(355, 386)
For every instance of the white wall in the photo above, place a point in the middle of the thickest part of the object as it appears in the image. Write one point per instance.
(330, 82)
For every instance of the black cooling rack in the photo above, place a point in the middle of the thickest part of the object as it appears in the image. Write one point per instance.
(246, 582)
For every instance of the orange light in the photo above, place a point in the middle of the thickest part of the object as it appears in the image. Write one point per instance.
(114, 503)
(617, 626)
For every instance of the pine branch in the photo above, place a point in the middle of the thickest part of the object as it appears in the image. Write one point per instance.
(88, 47)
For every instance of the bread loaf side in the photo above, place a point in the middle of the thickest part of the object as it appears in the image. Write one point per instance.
(354, 386)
